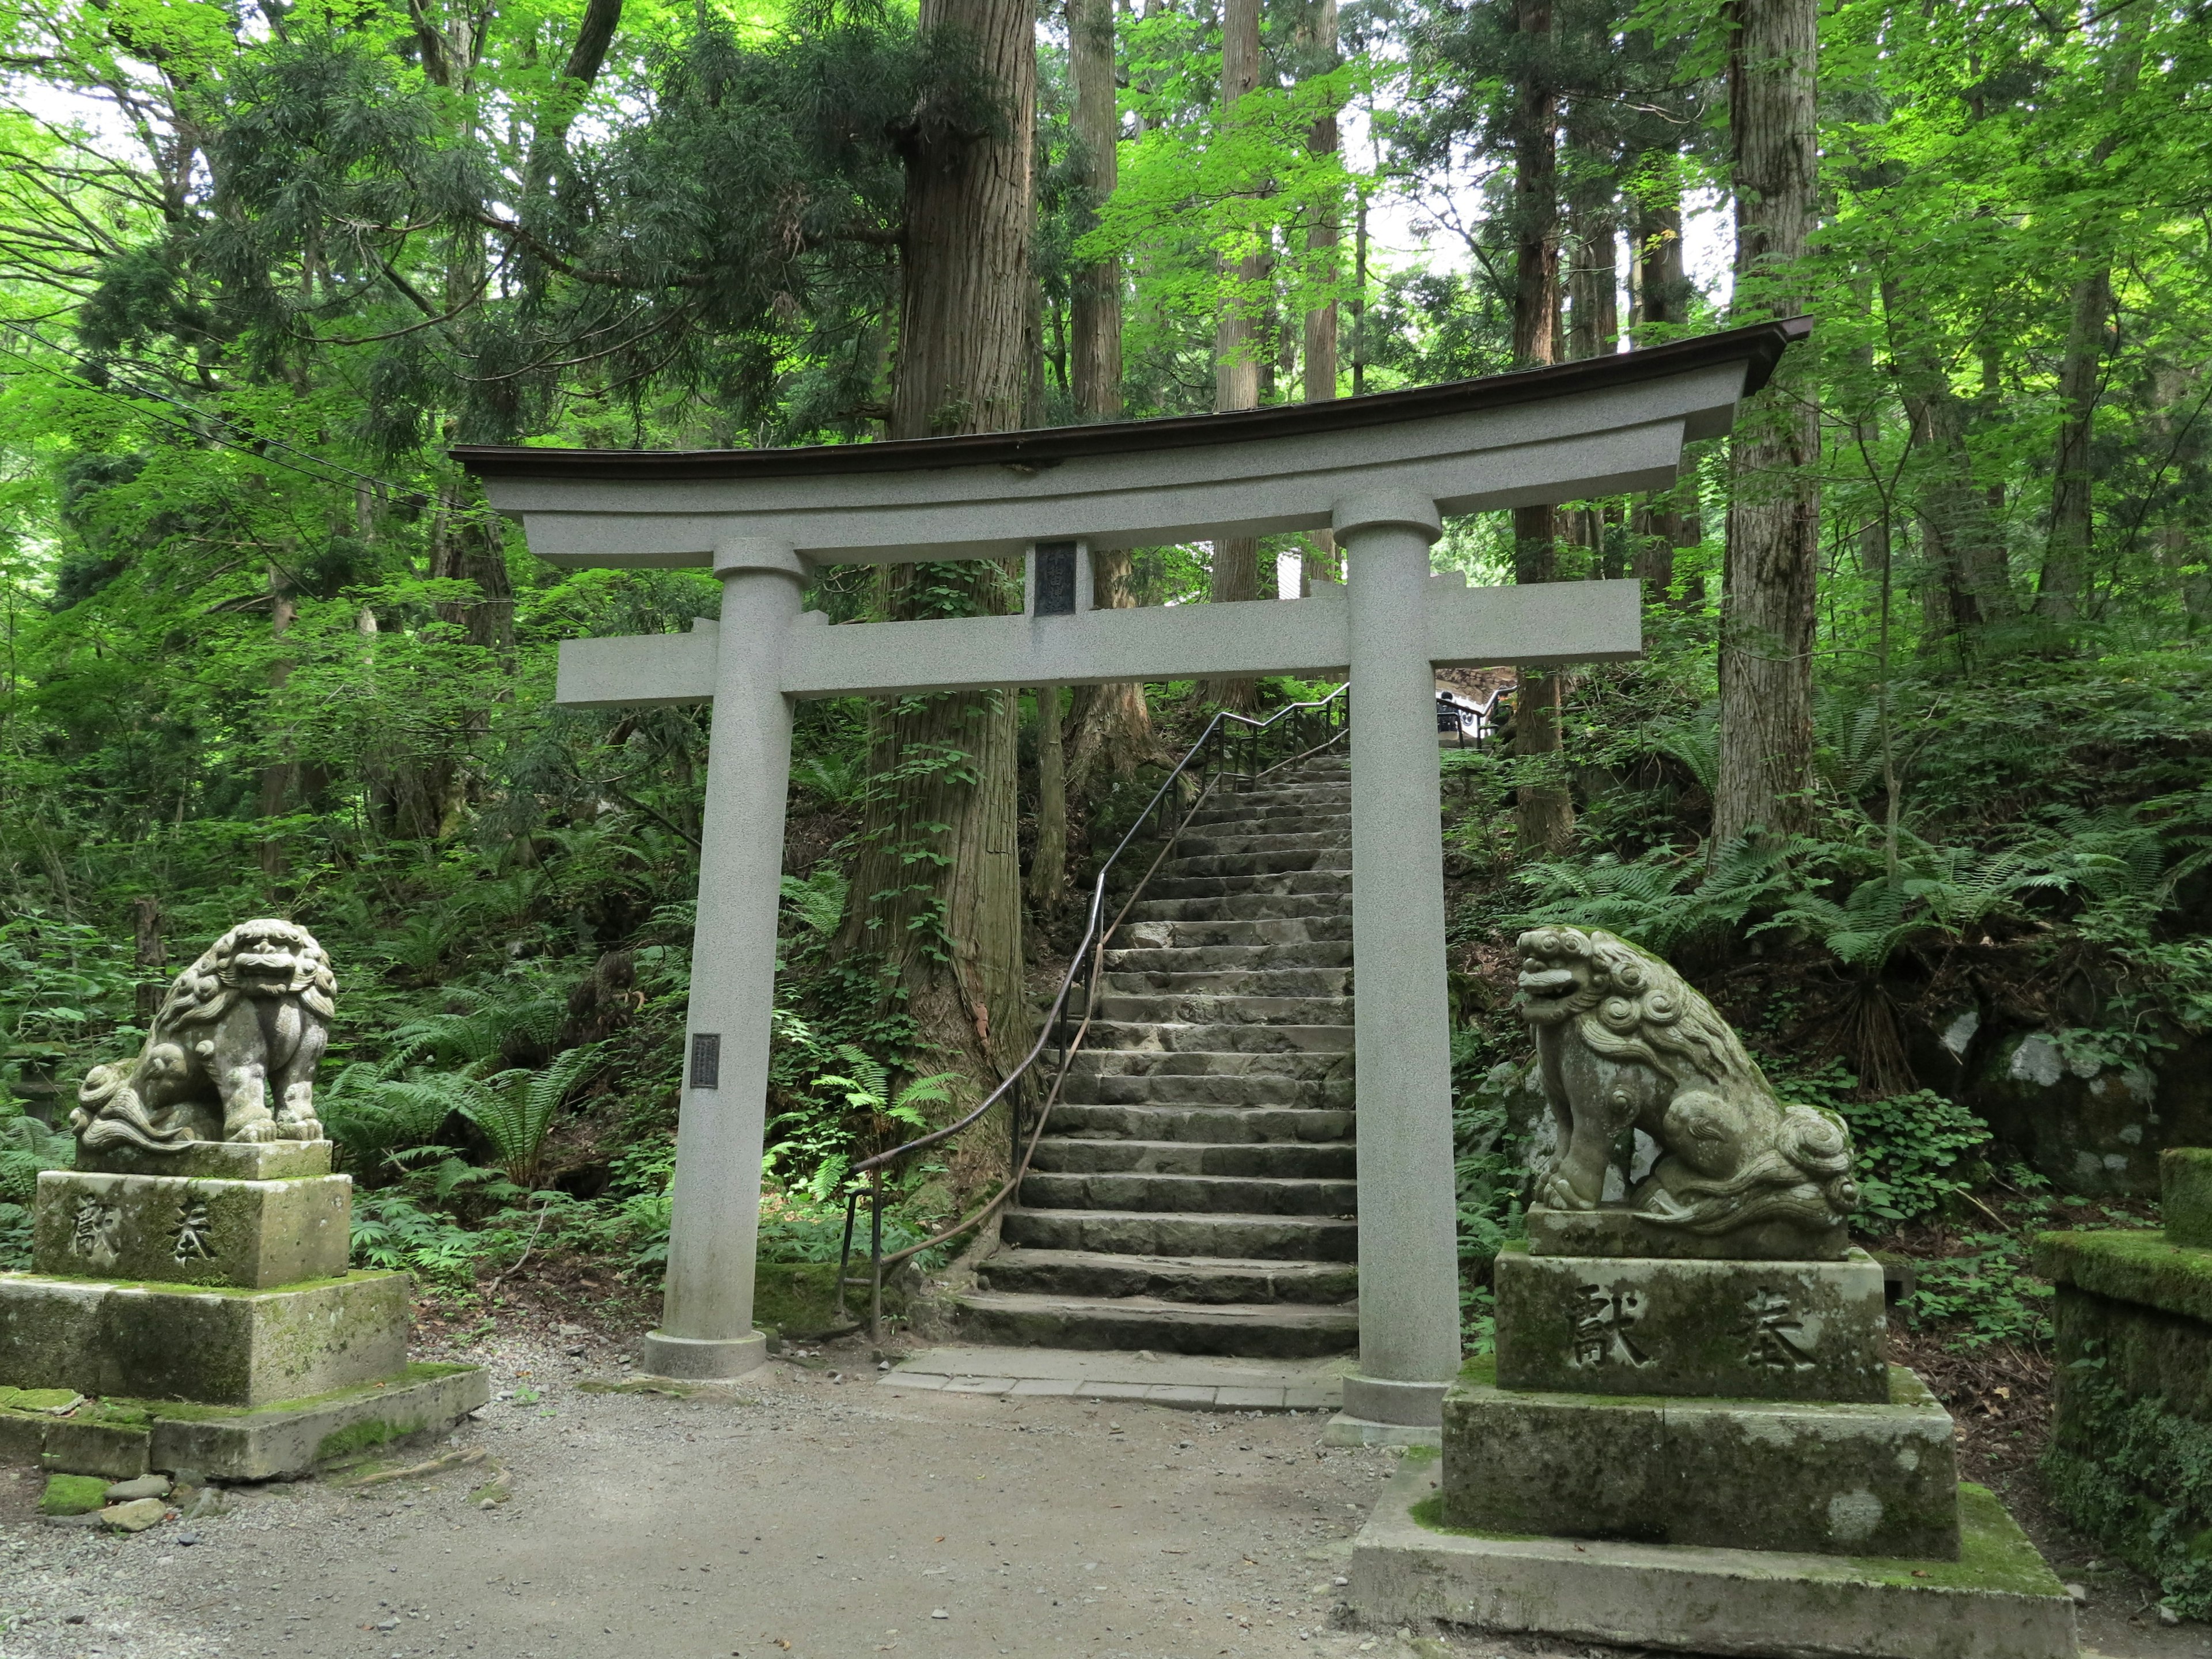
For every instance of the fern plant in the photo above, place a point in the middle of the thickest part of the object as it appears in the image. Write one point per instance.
(515, 1108)
(864, 1086)
(378, 1120)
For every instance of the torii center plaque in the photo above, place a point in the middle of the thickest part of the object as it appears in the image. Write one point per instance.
(1378, 470)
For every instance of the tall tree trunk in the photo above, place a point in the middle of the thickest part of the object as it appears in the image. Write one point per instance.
(1663, 524)
(2063, 582)
(1095, 323)
(1322, 233)
(1774, 516)
(2062, 586)
(146, 926)
(549, 143)
(1957, 524)
(1238, 340)
(1545, 812)
(937, 884)
(280, 774)
(1049, 857)
(1112, 725)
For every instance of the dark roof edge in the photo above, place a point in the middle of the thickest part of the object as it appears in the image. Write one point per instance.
(1760, 345)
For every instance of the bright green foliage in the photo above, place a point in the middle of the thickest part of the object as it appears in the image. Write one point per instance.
(1984, 1297)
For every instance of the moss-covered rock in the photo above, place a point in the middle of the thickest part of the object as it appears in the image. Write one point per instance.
(73, 1494)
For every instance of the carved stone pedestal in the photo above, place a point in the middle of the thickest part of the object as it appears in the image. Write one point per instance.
(1706, 1456)
(208, 1320)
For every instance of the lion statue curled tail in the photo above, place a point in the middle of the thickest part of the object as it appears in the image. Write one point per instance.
(1624, 1042)
(232, 1053)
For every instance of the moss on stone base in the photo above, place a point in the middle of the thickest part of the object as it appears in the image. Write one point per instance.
(799, 1298)
(2137, 1478)
(230, 1346)
(73, 1494)
(1995, 1554)
(2135, 1265)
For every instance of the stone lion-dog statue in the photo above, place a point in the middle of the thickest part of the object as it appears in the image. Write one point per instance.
(232, 1053)
(1623, 1042)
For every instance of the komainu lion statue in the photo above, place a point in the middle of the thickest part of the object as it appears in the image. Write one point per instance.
(1624, 1043)
(232, 1053)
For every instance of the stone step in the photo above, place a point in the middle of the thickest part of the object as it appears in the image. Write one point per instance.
(1146, 1037)
(1312, 955)
(1301, 815)
(1066, 1153)
(1334, 885)
(1286, 821)
(1157, 1232)
(1208, 1125)
(1210, 1008)
(1329, 910)
(1255, 867)
(1183, 1279)
(1261, 1331)
(1332, 927)
(1283, 1065)
(1229, 839)
(1270, 1091)
(1188, 1194)
(1274, 982)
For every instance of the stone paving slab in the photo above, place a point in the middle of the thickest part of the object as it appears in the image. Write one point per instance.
(1180, 1382)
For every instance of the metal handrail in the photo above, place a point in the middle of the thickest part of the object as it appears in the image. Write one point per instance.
(1205, 766)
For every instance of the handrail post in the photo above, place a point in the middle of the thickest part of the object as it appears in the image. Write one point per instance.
(876, 1258)
(845, 1256)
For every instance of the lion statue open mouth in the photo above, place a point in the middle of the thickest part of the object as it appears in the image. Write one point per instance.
(1624, 1043)
(232, 1053)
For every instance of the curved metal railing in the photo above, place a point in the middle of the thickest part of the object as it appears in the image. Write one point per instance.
(1305, 729)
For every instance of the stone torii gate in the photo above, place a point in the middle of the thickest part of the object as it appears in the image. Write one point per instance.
(1378, 470)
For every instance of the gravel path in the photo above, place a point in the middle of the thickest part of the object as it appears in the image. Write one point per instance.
(800, 1515)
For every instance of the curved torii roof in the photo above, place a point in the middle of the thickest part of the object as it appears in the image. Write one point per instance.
(1596, 426)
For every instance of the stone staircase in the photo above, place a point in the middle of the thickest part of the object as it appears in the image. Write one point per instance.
(1194, 1191)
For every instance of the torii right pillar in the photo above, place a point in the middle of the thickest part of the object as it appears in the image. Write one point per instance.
(1409, 1347)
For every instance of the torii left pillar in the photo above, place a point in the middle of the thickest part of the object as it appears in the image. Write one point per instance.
(707, 1316)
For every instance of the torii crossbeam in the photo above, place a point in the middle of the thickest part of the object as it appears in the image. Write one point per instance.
(1379, 471)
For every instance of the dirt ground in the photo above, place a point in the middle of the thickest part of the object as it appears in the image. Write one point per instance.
(809, 1513)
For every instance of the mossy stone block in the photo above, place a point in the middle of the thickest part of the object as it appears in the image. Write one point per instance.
(2142, 1265)
(117, 1449)
(225, 1348)
(73, 1494)
(291, 1436)
(2184, 1192)
(169, 1230)
(1827, 1479)
(215, 1160)
(1739, 1330)
(22, 1436)
(2144, 1353)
